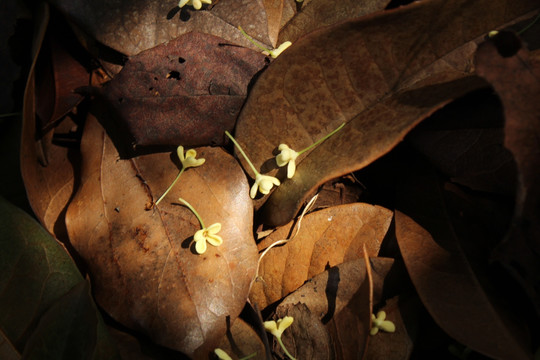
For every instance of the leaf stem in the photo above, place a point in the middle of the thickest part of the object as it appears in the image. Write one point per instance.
(529, 25)
(284, 348)
(171, 186)
(321, 140)
(249, 356)
(253, 41)
(10, 114)
(243, 153)
(193, 211)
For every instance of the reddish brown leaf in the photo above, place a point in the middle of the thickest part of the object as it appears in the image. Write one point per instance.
(58, 75)
(317, 14)
(380, 74)
(188, 91)
(131, 27)
(145, 273)
(516, 81)
(402, 311)
(341, 298)
(45, 167)
(241, 340)
(443, 277)
(326, 238)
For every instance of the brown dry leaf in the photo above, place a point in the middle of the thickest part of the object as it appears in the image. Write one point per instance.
(317, 14)
(137, 25)
(241, 340)
(326, 238)
(306, 338)
(516, 80)
(443, 277)
(45, 167)
(403, 312)
(187, 92)
(380, 74)
(145, 273)
(274, 12)
(58, 74)
(342, 298)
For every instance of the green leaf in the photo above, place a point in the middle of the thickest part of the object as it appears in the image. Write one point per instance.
(39, 280)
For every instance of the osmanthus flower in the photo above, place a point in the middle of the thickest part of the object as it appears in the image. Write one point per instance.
(274, 53)
(379, 322)
(188, 160)
(277, 328)
(263, 183)
(197, 4)
(287, 156)
(206, 234)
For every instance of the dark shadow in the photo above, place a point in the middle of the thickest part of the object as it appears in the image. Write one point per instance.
(175, 10)
(331, 292)
(234, 347)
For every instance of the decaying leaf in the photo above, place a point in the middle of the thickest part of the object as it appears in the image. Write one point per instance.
(131, 27)
(37, 274)
(515, 78)
(380, 74)
(326, 238)
(317, 14)
(188, 91)
(241, 340)
(443, 277)
(145, 273)
(341, 298)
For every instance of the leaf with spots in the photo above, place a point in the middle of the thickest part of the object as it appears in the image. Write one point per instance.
(380, 74)
(326, 238)
(144, 269)
(187, 92)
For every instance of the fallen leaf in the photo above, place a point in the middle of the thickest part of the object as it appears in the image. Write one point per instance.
(7, 350)
(403, 312)
(320, 13)
(144, 272)
(37, 273)
(342, 298)
(306, 338)
(515, 78)
(241, 340)
(45, 167)
(131, 27)
(326, 238)
(464, 140)
(381, 75)
(274, 12)
(443, 277)
(187, 92)
(58, 74)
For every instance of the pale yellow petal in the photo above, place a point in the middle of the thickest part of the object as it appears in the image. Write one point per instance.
(270, 326)
(291, 169)
(222, 354)
(253, 190)
(388, 326)
(200, 246)
(284, 323)
(199, 235)
(374, 330)
(215, 240)
(214, 228)
(197, 4)
(180, 149)
(181, 4)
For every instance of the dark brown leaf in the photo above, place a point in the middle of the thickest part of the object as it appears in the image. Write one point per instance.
(145, 273)
(326, 238)
(317, 14)
(381, 74)
(131, 27)
(443, 277)
(187, 92)
(241, 340)
(516, 80)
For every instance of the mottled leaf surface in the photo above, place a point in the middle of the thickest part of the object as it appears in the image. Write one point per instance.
(326, 238)
(188, 91)
(380, 74)
(143, 265)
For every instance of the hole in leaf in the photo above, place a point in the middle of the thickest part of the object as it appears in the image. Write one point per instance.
(173, 75)
(120, 100)
(181, 60)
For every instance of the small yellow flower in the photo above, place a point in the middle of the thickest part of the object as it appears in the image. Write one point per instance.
(264, 184)
(277, 328)
(207, 234)
(287, 156)
(189, 159)
(222, 354)
(197, 4)
(379, 322)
